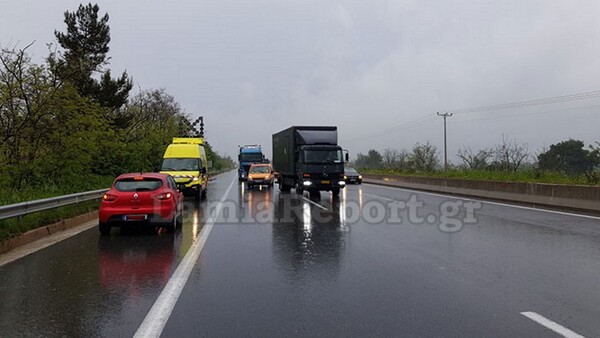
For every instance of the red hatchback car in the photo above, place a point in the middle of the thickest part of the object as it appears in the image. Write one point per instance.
(141, 199)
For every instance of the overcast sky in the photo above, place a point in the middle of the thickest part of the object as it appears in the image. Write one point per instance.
(252, 68)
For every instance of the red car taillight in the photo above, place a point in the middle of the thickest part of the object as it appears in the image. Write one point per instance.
(164, 196)
(109, 197)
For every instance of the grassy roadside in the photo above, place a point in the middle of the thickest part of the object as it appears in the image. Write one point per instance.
(527, 175)
(11, 196)
(10, 228)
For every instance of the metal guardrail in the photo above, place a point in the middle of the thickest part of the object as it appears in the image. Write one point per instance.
(25, 208)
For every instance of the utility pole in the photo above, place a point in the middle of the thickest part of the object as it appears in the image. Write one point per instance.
(445, 115)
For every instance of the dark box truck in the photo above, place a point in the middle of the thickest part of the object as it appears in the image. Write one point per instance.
(309, 158)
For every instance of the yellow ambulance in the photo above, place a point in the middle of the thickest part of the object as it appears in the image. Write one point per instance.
(185, 160)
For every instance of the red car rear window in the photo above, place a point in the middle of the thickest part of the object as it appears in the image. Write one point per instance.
(131, 184)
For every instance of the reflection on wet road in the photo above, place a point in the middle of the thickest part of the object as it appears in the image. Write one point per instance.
(90, 285)
(283, 264)
(309, 245)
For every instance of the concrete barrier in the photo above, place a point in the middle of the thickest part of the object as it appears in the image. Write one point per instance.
(579, 197)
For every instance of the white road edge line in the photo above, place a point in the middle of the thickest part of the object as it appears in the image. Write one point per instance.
(314, 203)
(489, 202)
(561, 330)
(159, 314)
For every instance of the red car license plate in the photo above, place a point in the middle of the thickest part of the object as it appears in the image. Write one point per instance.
(135, 217)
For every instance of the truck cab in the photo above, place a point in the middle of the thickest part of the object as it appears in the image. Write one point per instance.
(248, 155)
(320, 167)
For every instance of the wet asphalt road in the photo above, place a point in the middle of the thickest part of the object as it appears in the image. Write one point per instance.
(289, 265)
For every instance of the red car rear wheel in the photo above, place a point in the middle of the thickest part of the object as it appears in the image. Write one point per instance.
(104, 229)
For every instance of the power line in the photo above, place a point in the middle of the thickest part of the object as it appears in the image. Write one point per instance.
(527, 114)
(520, 104)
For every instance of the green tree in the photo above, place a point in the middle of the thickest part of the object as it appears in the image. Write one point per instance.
(74, 137)
(48, 131)
(395, 159)
(85, 45)
(424, 157)
(509, 156)
(86, 40)
(152, 120)
(372, 160)
(27, 93)
(569, 157)
(212, 157)
(475, 160)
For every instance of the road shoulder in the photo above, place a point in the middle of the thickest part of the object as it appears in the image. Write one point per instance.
(38, 239)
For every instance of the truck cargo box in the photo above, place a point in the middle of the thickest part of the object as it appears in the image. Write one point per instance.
(286, 142)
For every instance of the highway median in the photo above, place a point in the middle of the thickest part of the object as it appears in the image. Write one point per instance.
(575, 197)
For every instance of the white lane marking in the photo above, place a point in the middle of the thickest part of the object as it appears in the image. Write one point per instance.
(561, 330)
(313, 203)
(380, 197)
(489, 202)
(159, 314)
